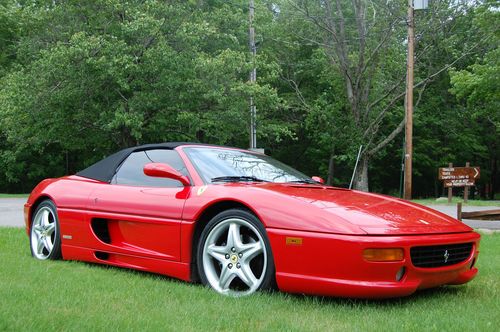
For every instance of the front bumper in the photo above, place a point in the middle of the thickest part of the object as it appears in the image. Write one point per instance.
(333, 265)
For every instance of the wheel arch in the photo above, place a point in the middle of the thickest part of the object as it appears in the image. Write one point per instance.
(202, 220)
(34, 206)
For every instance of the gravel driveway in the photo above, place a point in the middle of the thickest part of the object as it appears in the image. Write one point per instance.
(11, 211)
(451, 210)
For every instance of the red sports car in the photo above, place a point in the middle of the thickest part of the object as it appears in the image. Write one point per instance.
(240, 221)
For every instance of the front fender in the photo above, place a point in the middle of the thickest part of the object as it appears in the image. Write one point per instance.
(275, 210)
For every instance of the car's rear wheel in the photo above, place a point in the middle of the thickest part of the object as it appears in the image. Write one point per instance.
(45, 238)
(234, 255)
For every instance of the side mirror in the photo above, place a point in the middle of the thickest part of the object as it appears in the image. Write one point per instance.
(318, 179)
(160, 170)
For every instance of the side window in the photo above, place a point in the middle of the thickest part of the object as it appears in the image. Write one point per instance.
(131, 171)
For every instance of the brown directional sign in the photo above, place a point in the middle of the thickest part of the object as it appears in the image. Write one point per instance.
(459, 183)
(459, 176)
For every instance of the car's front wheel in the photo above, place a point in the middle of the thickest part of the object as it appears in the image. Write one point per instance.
(234, 255)
(45, 238)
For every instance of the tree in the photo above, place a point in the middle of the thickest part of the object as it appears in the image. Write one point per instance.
(80, 79)
(8, 35)
(98, 75)
(365, 44)
(478, 87)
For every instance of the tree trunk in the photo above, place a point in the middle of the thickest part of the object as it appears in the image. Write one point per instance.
(493, 179)
(329, 179)
(361, 177)
(126, 138)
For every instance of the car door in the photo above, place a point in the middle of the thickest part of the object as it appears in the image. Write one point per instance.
(137, 214)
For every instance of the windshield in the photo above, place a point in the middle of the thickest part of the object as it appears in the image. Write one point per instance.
(215, 164)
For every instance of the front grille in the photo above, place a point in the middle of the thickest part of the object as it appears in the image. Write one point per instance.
(442, 255)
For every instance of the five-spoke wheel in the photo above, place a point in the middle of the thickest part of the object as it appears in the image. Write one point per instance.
(45, 239)
(234, 255)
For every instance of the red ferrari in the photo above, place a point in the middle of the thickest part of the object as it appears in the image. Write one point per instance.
(240, 221)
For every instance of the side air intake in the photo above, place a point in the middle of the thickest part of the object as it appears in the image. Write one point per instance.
(101, 230)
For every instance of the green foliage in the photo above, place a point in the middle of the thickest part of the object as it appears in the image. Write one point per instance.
(98, 75)
(8, 34)
(81, 79)
(479, 86)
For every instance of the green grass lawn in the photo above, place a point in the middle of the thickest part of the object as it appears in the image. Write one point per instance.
(455, 200)
(14, 195)
(60, 296)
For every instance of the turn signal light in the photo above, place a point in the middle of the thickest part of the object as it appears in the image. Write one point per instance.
(383, 255)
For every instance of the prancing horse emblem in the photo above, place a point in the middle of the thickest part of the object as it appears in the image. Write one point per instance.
(446, 256)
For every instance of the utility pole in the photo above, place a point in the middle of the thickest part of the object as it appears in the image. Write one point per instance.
(253, 77)
(409, 105)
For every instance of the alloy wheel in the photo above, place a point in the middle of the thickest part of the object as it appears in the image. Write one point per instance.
(235, 257)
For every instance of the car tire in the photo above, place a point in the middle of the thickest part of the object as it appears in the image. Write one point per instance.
(45, 234)
(234, 254)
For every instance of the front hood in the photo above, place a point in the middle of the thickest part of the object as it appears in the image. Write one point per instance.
(375, 214)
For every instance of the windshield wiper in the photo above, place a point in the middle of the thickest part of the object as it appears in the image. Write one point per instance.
(237, 178)
(304, 181)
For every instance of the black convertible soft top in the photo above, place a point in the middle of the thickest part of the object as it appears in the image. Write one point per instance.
(105, 169)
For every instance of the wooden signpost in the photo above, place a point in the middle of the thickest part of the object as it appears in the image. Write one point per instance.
(459, 177)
